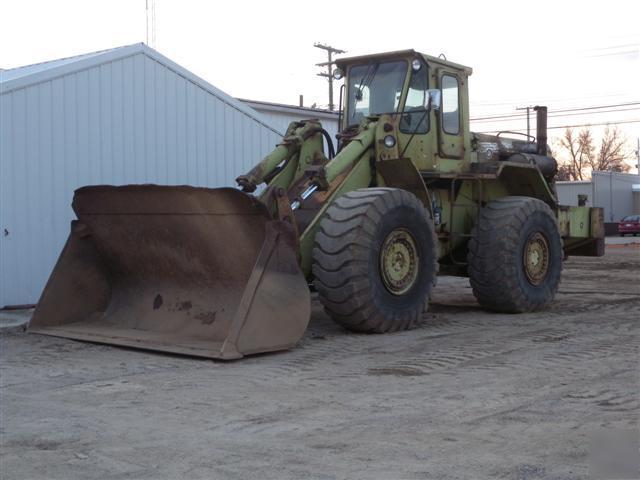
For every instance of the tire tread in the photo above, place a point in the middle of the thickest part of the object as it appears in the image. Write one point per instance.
(340, 266)
(493, 274)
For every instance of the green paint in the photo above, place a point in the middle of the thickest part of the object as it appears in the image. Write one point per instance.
(431, 153)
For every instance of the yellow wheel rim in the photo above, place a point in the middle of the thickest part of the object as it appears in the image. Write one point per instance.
(399, 262)
(536, 258)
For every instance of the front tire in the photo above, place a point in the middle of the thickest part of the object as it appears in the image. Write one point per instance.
(515, 255)
(374, 260)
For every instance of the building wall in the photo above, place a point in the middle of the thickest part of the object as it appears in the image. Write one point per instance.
(611, 191)
(131, 120)
(281, 120)
(568, 192)
(280, 116)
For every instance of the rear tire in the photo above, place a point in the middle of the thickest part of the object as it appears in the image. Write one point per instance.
(374, 260)
(515, 255)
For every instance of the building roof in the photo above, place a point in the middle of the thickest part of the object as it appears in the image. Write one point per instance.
(284, 108)
(22, 77)
(573, 182)
(9, 74)
(630, 177)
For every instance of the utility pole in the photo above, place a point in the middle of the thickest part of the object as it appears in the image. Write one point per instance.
(638, 154)
(528, 122)
(150, 10)
(329, 64)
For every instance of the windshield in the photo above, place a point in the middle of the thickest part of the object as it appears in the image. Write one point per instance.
(374, 88)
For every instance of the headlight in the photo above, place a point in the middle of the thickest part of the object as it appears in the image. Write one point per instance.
(389, 141)
(416, 65)
(338, 74)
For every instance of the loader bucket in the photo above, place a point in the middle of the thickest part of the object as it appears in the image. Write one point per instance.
(203, 272)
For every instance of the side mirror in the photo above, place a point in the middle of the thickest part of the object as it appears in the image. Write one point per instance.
(433, 99)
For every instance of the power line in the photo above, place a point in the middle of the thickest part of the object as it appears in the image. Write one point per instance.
(522, 115)
(620, 122)
(562, 115)
(544, 100)
(625, 104)
(612, 47)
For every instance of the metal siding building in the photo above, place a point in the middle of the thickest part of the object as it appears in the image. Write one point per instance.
(568, 192)
(614, 192)
(126, 115)
(611, 190)
(280, 115)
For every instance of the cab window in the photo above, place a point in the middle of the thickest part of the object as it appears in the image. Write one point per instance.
(374, 88)
(450, 105)
(415, 118)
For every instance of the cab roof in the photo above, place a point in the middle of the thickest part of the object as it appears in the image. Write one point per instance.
(345, 61)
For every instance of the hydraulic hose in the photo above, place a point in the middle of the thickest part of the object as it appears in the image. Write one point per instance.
(327, 137)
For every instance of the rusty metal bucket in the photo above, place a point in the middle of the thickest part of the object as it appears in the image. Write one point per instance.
(203, 272)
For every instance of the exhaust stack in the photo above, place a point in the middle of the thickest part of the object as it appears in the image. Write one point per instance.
(541, 129)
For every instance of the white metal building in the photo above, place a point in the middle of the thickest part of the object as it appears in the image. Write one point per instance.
(568, 192)
(125, 115)
(280, 116)
(611, 190)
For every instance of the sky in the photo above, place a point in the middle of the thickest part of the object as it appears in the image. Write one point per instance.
(563, 54)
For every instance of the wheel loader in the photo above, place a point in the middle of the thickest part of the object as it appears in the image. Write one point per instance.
(406, 193)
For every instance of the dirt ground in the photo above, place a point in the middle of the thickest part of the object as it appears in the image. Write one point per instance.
(468, 395)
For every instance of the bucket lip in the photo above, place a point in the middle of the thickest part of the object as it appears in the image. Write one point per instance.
(130, 199)
(150, 187)
(212, 349)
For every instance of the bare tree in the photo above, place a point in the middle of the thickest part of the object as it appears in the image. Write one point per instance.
(584, 156)
(578, 147)
(564, 173)
(612, 154)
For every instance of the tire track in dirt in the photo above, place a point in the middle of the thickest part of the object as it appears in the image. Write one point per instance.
(549, 347)
(623, 306)
(608, 400)
(313, 354)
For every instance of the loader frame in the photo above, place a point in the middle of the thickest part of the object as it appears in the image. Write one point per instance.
(418, 163)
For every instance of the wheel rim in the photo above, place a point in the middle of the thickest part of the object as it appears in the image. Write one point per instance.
(399, 261)
(536, 258)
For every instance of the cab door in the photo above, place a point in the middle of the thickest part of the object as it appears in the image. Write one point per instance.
(416, 138)
(449, 117)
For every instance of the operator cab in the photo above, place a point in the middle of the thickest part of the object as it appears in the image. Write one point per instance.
(429, 94)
